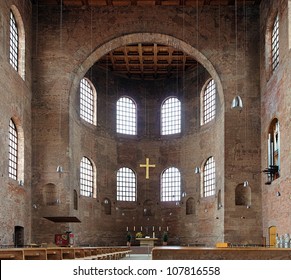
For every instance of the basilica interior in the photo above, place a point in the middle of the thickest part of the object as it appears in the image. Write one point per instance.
(145, 118)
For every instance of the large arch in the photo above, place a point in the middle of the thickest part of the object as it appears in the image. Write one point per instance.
(150, 38)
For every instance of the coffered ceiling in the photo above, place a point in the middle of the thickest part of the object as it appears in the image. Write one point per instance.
(147, 61)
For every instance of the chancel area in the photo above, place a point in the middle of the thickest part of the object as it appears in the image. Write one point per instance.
(145, 124)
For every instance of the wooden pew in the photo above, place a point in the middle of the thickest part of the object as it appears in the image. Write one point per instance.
(64, 253)
(68, 253)
(35, 254)
(243, 253)
(79, 253)
(54, 253)
(11, 254)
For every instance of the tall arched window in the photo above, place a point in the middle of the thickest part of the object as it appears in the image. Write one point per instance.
(17, 42)
(86, 177)
(209, 180)
(171, 185)
(208, 105)
(126, 116)
(14, 42)
(87, 101)
(275, 43)
(13, 151)
(126, 185)
(171, 116)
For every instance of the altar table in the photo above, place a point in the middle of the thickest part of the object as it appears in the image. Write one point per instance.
(147, 242)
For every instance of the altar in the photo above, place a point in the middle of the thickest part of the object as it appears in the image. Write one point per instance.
(147, 242)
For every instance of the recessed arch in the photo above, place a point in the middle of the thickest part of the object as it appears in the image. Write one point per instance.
(134, 38)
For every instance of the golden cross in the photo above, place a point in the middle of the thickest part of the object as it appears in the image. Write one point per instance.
(147, 166)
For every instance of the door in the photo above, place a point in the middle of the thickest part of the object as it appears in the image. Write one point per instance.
(272, 236)
(18, 236)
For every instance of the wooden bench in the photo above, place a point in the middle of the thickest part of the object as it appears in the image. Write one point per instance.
(64, 253)
(54, 253)
(35, 254)
(11, 254)
(194, 253)
(68, 253)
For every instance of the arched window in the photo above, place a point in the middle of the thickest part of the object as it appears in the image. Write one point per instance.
(14, 42)
(86, 177)
(13, 151)
(171, 116)
(275, 43)
(87, 101)
(126, 116)
(208, 97)
(126, 185)
(209, 178)
(17, 42)
(171, 185)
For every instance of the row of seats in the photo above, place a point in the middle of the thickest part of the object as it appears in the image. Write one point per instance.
(65, 253)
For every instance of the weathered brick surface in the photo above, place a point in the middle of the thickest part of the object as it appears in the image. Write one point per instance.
(63, 52)
(276, 101)
(15, 209)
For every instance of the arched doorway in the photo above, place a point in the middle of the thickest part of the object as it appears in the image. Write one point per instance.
(18, 236)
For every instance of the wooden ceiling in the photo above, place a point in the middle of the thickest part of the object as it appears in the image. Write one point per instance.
(147, 61)
(95, 3)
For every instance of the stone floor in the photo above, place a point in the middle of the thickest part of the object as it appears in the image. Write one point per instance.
(137, 257)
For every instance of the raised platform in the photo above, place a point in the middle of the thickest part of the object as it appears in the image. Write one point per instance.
(194, 253)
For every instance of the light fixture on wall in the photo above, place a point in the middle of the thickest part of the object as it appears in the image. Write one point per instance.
(197, 170)
(20, 183)
(60, 169)
(278, 193)
(237, 103)
(246, 183)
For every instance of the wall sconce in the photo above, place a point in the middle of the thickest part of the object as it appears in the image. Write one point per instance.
(248, 206)
(21, 183)
(197, 170)
(246, 183)
(278, 193)
(60, 169)
(237, 103)
(184, 194)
